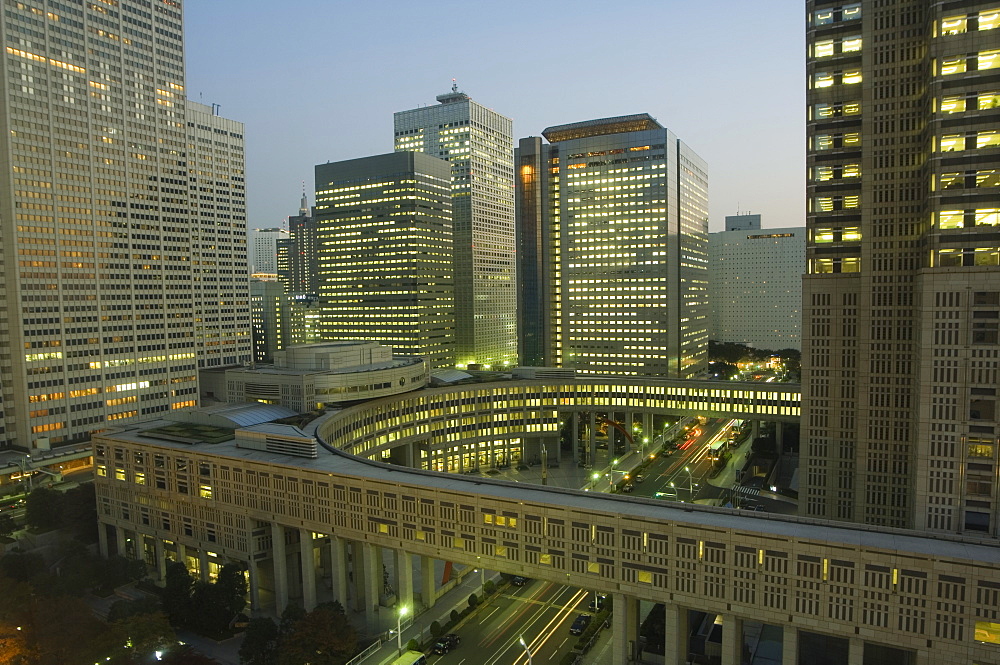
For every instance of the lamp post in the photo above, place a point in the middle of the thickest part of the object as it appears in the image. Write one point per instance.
(526, 650)
(399, 629)
(690, 481)
(595, 477)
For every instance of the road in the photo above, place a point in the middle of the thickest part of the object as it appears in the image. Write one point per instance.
(681, 474)
(541, 612)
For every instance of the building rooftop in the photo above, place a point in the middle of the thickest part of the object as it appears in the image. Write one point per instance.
(617, 125)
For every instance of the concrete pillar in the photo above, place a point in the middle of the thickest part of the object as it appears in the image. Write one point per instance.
(404, 579)
(427, 583)
(203, 564)
(370, 573)
(308, 560)
(630, 428)
(677, 633)
(732, 640)
(182, 555)
(254, 584)
(120, 540)
(620, 649)
(102, 539)
(856, 650)
(280, 567)
(779, 437)
(789, 645)
(754, 430)
(161, 558)
(338, 566)
(574, 436)
(592, 440)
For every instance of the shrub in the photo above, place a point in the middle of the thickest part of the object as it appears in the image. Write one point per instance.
(436, 630)
(489, 587)
(455, 616)
(413, 645)
(473, 601)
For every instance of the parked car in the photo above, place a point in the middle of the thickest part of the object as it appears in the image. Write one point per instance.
(580, 624)
(446, 643)
(517, 580)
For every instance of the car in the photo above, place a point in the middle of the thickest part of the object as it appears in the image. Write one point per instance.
(580, 624)
(517, 580)
(639, 477)
(597, 604)
(628, 488)
(759, 508)
(446, 643)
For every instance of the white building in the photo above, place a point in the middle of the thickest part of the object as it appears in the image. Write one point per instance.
(479, 144)
(755, 286)
(264, 250)
(105, 217)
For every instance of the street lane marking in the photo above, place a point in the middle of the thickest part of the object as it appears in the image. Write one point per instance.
(495, 610)
(559, 648)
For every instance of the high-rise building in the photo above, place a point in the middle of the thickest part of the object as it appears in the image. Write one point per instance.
(902, 299)
(268, 308)
(299, 269)
(107, 219)
(755, 286)
(612, 234)
(479, 144)
(264, 248)
(384, 253)
(744, 222)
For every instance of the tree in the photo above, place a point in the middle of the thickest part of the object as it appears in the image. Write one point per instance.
(292, 615)
(321, 637)
(79, 512)
(232, 583)
(489, 587)
(7, 525)
(142, 634)
(125, 609)
(177, 593)
(436, 629)
(43, 508)
(473, 601)
(22, 566)
(186, 655)
(260, 643)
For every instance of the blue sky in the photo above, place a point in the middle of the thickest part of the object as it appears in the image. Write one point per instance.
(319, 80)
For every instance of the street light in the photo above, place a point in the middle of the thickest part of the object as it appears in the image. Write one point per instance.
(595, 477)
(690, 481)
(526, 650)
(399, 628)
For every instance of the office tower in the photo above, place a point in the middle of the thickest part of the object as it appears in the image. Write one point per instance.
(105, 256)
(216, 164)
(300, 273)
(268, 307)
(755, 285)
(264, 260)
(384, 250)
(613, 219)
(903, 291)
(478, 142)
(744, 222)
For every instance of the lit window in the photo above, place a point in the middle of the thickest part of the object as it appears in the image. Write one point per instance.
(953, 65)
(822, 265)
(952, 104)
(987, 139)
(852, 77)
(949, 258)
(851, 44)
(988, 59)
(980, 450)
(140, 478)
(951, 219)
(850, 264)
(822, 80)
(823, 235)
(205, 491)
(953, 26)
(987, 256)
(852, 234)
(988, 632)
(987, 217)
(989, 19)
(824, 48)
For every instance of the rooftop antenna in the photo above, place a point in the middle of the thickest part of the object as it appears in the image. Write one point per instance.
(454, 85)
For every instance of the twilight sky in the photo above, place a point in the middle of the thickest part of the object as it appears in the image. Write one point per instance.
(319, 80)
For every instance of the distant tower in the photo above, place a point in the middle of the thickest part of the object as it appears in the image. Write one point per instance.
(479, 144)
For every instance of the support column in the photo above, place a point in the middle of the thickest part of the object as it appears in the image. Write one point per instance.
(102, 539)
(404, 580)
(630, 428)
(306, 557)
(592, 441)
(575, 435)
(732, 640)
(677, 633)
(856, 650)
(779, 437)
(120, 540)
(161, 558)
(338, 565)
(203, 564)
(754, 430)
(254, 584)
(620, 653)
(368, 586)
(182, 555)
(789, 645)
(280, 567)
(427, 581)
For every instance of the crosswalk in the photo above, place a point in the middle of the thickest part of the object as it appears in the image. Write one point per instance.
(747, 491)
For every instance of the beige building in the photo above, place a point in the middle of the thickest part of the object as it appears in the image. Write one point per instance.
(122, 218)
(902, 301)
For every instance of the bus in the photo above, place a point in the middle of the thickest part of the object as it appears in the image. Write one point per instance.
(411, 658)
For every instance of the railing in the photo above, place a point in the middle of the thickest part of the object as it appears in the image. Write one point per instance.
(372, 648)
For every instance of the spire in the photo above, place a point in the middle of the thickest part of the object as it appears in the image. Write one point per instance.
(304, 204)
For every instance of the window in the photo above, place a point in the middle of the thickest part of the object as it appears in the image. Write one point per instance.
(833, 141)
(836, 15)
(827, 47)
(828, 79)
(983, 20)
(834, 203)
(957, 219)
(980, 450)
(837, 172)
(835, 109)
(970, 141)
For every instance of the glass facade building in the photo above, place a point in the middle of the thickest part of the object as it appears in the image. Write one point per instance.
(384, 253)
(612, 239)
(902, 299)
(478, 143)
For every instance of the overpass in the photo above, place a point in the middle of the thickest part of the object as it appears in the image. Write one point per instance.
(874, 595)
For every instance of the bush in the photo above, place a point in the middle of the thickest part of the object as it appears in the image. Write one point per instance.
(455, 616)
(473, 601)
(413, 645)
(489, 587)
(436, 630)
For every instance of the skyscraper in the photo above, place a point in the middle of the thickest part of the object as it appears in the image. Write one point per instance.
(120, 239)
(264, 250)
(479, 144)
(384, 253)
(902, 298)
(755, 285)
(612, 226)
(301, 251)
